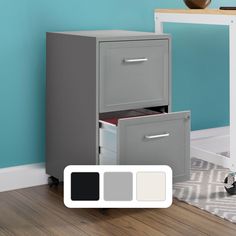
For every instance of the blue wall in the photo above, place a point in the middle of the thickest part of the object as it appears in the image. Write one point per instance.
(200, 82)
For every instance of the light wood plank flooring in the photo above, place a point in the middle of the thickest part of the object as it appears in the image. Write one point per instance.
(40, 211)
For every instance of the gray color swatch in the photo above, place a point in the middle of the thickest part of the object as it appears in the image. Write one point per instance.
(118, 186)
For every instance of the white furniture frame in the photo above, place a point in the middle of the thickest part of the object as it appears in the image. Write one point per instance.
(211, 17)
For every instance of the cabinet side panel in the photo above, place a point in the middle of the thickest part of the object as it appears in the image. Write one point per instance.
(71, 102)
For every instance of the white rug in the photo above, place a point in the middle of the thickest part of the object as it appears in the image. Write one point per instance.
(205, 190)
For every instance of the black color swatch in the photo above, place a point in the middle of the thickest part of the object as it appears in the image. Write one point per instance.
(85, 186)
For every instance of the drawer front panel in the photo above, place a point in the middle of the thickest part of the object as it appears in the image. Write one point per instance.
(156, 140)
(133, 74)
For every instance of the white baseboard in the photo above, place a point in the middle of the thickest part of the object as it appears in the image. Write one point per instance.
(208, 145)
(209, 133)
(22, 176)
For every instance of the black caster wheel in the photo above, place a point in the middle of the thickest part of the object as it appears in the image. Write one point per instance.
(230, 185)
(52, 181)
(103, 210)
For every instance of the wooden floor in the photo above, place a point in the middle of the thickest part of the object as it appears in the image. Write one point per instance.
(40, 211)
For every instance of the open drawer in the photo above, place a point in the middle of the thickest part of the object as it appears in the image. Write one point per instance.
(149, 138)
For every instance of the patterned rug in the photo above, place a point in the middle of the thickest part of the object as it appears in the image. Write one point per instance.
(205, 190)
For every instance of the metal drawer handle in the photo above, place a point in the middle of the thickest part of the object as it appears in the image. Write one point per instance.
(135, 60)
(156, 136)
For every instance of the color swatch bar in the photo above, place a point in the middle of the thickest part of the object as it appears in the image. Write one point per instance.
(117, 186)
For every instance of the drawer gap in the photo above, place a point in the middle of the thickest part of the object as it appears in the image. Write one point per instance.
(113, 117)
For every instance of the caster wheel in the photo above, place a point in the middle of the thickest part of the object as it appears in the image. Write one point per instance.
(52, 181)
(103, 210)
(232, 188)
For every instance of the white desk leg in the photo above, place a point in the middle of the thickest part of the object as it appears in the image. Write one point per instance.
(232, 64)
(158, 25)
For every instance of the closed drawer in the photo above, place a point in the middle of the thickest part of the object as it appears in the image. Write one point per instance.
(133, 74)
(162, 139)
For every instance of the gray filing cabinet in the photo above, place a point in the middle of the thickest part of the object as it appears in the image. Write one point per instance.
(109, 102)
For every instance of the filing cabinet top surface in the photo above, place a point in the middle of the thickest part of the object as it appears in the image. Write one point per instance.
(102, 35)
